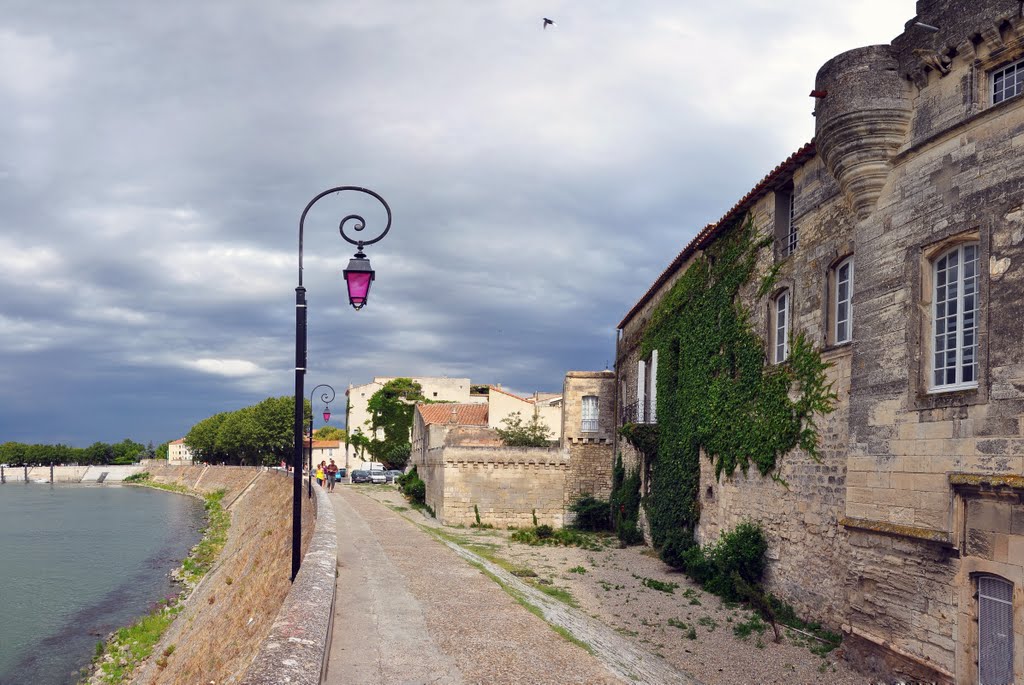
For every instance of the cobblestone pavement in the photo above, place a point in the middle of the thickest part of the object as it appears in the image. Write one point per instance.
(413, 609)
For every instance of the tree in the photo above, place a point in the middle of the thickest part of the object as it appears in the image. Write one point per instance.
(161, 450)
(329, 433)
(127, 452)
(517, 434)
(391, 410)
(359, 441)
(202, 438)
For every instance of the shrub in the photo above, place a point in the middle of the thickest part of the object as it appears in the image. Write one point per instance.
(591, 514)
(544, 531)
(740, 551)
(677, 543)
(625, 503)
(413, 486)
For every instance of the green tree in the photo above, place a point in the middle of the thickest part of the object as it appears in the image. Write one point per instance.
(391, 410)
(359, 441)
(202, 438)
(329, 433)
(98, 453)
(519, 434)
(161, 450)
(127, 452)
(275, 424)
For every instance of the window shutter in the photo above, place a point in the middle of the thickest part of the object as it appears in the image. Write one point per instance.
(641, 398)
(995, 631)
(654, 386)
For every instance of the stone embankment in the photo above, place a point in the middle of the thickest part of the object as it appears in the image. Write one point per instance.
(242, 622)
(68, 474)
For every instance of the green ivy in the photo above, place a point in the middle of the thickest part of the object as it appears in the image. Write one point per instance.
(716, 394)
(625, 503)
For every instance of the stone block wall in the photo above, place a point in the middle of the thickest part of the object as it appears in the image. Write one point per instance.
(590, 452)
(507, 485)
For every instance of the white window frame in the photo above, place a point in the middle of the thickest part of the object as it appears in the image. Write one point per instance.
(791, 235)
(960, 286)
(989, 604)
(653, 412)
(1013, 74)
(837, 300)
(781, 308)
(590, 414)
(641, 394)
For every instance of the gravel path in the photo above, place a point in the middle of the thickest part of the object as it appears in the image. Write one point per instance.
(410, 610)
(686, 628)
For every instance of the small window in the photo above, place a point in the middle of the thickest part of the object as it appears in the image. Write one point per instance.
(1008, 82)
(780, 341)
(590, 409)
(435, 394)
(842, 302)
(955, 319)
(785, 227)
(995, 631)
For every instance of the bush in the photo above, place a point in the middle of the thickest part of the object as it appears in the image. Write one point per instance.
(625, 503)
(544, 531)
(413, 486)
(591, 514)
(740, 551)
(676, 545)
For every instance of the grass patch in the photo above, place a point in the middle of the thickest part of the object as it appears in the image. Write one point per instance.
(578, 569)
(658, 585)
(676, 623)
(567, 537)
(708, 623)
(746, 628)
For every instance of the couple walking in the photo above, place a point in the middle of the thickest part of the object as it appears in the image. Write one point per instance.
(327, 472)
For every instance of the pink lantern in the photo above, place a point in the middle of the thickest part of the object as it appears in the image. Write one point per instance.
(358, 277)
(327, 414)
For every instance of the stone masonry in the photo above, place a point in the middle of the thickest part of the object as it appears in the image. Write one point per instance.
(919, 495)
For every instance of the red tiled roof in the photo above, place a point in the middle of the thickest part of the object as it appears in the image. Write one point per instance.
(711, 231)
(465, 414)
(324, 444)
(179, 441)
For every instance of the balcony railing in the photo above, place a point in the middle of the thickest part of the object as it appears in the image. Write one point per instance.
(589, 426)
(631, 413)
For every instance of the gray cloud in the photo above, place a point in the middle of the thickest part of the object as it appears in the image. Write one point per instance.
(156, 161)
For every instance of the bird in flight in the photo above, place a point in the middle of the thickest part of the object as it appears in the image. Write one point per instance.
(547, 22)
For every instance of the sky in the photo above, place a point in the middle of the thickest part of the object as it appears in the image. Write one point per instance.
(157, 156)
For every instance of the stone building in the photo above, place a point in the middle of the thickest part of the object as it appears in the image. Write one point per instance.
(178, 453)
(898, 244)
(468, 470)
(440, 388)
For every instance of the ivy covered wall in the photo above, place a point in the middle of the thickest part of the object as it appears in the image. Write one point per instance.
(716, 394)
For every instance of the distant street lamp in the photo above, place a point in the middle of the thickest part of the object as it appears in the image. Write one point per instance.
(358, 277)
(327, 417)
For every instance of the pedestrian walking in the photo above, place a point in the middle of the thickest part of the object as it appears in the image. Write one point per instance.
(320, 474)
(332, 475)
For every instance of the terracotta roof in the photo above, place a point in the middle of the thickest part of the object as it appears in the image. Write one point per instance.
(179, 441)
(711, 231)
(323, 444)
(465, 414)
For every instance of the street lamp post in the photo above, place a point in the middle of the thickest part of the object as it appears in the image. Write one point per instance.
(326, 399)
(358, 277)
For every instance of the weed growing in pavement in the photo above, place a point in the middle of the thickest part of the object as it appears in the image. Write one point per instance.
(578, 569)
(692, 634)
(708, 623)
(753, 624)
(627, 632)
(546, 535)
(658, 585)
(676, 623)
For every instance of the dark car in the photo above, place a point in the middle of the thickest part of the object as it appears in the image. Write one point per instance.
(359, 476)
(393, 475)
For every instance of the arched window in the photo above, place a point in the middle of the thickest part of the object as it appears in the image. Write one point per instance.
(955, 305)
(781, 306)
(995, 631)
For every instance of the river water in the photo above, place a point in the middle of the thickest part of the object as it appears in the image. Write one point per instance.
(76, 563)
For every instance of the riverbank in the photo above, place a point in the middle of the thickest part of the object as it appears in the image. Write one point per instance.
(218, 629)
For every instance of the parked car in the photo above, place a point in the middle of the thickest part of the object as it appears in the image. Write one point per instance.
(393, 475)
(360, 476)
(378, 477)
(339, 474)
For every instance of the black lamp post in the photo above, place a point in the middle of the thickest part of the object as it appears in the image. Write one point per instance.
(326, 399)
(358, 277)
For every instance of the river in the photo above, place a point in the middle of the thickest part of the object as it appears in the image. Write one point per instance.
(77, 562)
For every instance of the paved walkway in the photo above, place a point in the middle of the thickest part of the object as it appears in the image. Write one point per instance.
(413, 610)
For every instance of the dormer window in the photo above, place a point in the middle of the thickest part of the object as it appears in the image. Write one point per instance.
(1007, 82)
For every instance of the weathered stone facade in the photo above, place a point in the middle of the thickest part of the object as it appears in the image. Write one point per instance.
(467, 469)
(919, 495)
